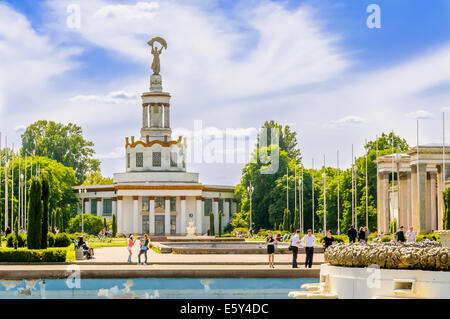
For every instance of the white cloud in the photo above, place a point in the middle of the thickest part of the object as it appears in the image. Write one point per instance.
(208, 52)
(349, 120)
(421, 115)
(112, 97)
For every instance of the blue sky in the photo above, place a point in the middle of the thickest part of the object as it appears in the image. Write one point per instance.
(314, 65)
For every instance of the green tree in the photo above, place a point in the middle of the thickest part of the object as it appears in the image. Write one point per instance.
(45, 205)
(92, 224)
(446, 200)
(114, 226)
(220, 223)
(63, 143)
(34, 226)
(97, 179)
(211, 224)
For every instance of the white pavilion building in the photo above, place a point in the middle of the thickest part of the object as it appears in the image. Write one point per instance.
(156, 195)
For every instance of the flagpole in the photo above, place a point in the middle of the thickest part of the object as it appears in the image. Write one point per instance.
(6, 182)
(338, 195)
(312, 180)
(26, 205)
(302, 214)
(443, 151)
(287, 188)
(367, 194)
(12, 190)
(378, 226)
(418, 179)
(353, 192)
(19, 206)
(392, 187)
(324, 196)
(295, 189)
(356, 194)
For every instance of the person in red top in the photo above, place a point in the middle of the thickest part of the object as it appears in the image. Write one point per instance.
(130, 245)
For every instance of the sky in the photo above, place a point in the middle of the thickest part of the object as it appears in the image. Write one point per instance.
(313, 65)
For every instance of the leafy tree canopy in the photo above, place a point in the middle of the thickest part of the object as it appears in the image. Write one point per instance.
(97, 179)
(63, 143)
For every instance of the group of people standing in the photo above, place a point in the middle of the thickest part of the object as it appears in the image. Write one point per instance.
(143, 248)
(308, 242)
(362, 234)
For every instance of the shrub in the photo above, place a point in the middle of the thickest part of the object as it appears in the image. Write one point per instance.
(92, 224)
(62, 240)
(241, 230)
(386, 239)
(341, 238)
(25, 255)
(20, 238)
(50, 239)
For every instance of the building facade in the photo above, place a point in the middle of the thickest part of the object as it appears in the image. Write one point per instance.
(415, 197)
(156, 195)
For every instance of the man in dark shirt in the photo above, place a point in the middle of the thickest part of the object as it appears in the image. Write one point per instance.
(401, 235)
(352, 234)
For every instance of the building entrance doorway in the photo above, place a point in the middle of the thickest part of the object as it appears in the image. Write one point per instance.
(145, 224)
(173, 225)
(159, 225)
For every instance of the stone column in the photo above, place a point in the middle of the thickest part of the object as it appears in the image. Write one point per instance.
(119, 214)
(145, 116)
(409, 201)
(402, 192)
(226, 211)
(166, 116)
(199, 216)
(383, 202)
(136, 224)
(215, 207)
(421, 202)
(167, 216)
(433, 199)
(440, 189)
(151, 215)
(99, 207)
(183, 215)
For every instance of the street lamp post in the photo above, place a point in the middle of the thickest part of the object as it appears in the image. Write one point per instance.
(82, 191)
(300, 193)
(250, 190)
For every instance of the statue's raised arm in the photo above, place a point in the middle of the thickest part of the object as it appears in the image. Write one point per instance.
(156, 64)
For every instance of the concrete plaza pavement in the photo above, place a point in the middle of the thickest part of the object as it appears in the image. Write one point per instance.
(120, 255)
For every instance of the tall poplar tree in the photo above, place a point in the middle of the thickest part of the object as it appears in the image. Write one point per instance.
(34, 227)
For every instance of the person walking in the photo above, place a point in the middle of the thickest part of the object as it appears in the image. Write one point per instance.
(352, 233)
(130, 245)
(411, 235)
(400, 235)
(295, 244)
(361, 234)
(367, 233)
(270, 242)
(328, 240)
(308, 241)
(143, 249)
